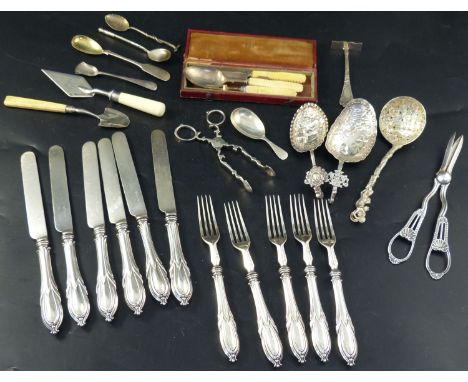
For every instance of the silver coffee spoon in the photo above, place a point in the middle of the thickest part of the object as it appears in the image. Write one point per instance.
(246, 122)
(121, 24)
(156, 55)
(88, 70)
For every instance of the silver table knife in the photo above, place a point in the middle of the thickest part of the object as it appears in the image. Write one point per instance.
(132, 281)
(158, 281)
(106, 291)
(179, 272)
(77, 295)
(51, 306)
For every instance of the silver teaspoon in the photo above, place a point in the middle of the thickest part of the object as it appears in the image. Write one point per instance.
(88, 70)
(246, 122)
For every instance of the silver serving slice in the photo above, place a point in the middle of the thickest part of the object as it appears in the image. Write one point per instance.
(77, 295)
(106, 291)
(179, 272)
(132, 281)
(158, 281)
(51, 306)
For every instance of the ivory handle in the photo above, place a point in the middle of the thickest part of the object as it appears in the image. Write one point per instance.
(34, 104)
(145, 105)
(280, 76)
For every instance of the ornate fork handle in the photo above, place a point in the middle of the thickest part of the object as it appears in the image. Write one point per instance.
(132, 282)
(158, 281)
(347, 342)
(77, 295)
(226, 323)
(265, 167)
(267, 330)
(294, 323)
(179, 272)
(318, 321)
(106, 291)
(51, 306)
(364, 201)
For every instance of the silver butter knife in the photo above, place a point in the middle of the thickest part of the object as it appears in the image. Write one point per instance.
(132, 281)
(77, 295)
(179, 272)
(51, 306)
(158, 281)
(106, 291)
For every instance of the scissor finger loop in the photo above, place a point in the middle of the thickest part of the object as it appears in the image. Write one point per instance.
(192, 133)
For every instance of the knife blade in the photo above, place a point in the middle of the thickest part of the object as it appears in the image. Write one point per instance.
(162, 173)
(77, 295)
(134, 291)
(179, 272)
(50, 301)
(107, 299)
(155, 272)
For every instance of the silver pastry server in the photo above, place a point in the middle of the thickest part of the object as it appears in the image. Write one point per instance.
(77, 295)
(132, 282)
(51, 305)
(179, 272)
(106, 291)
(155, 272)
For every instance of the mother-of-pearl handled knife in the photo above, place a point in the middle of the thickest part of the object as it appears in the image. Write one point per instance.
(132, 282)
(179, 272)
(77, 295)
(51, 306)
(106, 291)
(158, 281)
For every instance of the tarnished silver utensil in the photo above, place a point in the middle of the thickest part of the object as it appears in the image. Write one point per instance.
(156, 55)
(87, 45)
(51, 305)
(402, 120)
(77, 295)
(110, 118)
(121, 24)
(88, 70)
(308, 130)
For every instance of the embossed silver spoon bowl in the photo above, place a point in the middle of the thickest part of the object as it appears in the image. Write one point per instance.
(308, 130)
(402, 120)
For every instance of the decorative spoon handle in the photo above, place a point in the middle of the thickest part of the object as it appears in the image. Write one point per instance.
(123, 39)
(282, 154)
(150, 85)
(346, 93)
(157, 39)
(364, 201)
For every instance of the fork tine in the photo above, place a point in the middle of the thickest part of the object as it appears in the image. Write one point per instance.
(291, 211)
(213, 216)
(306, 217)
(330, 223)
(231, 232)
(246, 233)
(296, 211)
(317, 223)
(326, 228)
(267, 209)
(209, 216)
(205, 215)
(281, 216)
(235, 223)
(301, 215)
(200, 222)
(274, 216)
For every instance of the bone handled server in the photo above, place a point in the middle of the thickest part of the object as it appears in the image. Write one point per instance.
(77, 294)
(50, 301)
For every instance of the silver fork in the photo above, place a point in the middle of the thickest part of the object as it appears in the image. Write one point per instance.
(303, 234)
(240, 240)
(344, 326)
(277, 236)
(209, 233)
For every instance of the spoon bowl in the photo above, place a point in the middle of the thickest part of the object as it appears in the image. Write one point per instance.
(205, 77)
(402, 121)
(246, 122)
(86, 69)
(117, 22)
(159, 54)
(86, 45)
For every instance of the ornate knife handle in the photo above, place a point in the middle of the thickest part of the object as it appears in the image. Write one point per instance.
(318, 321)
(267, 330)
(106, 291)
(51, 306)
(294, 323)
(158, 282)
(132, 282)
(344, 326)
(179, 272)
(77, 295)
(226, 323)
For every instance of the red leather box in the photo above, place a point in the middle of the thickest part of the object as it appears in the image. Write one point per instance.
(251, 54)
